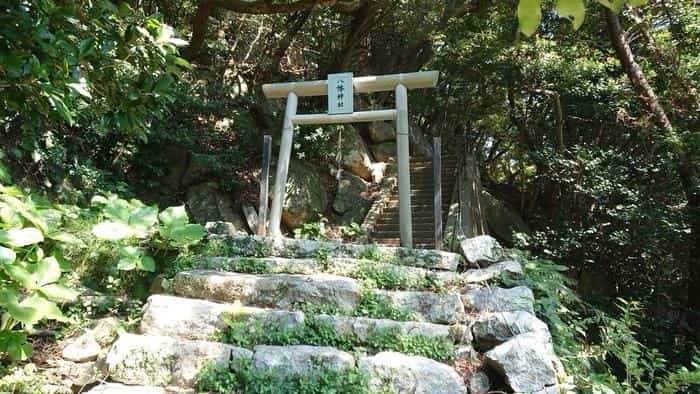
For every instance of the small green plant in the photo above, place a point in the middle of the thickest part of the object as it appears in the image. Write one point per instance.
(376, 306)
(125, 221)
(240, 376)
(352, 231)
(312, 230)
(31, 282)
(322, 258)
(371, 252)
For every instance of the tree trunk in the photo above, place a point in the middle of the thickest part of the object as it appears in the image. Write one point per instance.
(683, 160)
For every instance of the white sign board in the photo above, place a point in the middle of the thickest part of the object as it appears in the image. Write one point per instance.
(340, 93)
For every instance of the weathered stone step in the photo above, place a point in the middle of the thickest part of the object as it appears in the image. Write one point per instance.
(172, 362)
(243, 245)
(118, 388)
(388, 276)
(285, 291)
(164, 361)
(399, 373)
(204, 320)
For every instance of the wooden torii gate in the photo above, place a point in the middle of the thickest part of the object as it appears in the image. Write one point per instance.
(400, 83)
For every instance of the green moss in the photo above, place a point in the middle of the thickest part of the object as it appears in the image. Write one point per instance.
(375, 306)
(250, 331)
(240, 377)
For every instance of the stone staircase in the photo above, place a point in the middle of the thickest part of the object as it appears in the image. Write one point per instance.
(387, 230)
(254, 314)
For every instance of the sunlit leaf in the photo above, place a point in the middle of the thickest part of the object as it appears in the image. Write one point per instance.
(24, 209)
(111, 231)
(574, 9)
(142, 220)
(59, 293)
(7, 256)
(80, 88)
(44, 308)
(47, 271)
(174, 215)
(18, 238)
(529, 16)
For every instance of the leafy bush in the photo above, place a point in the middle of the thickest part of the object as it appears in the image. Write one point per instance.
(312, 230)
(31, 263)
(600, 352)
(80, 84)
(128, 220)
(36, 237)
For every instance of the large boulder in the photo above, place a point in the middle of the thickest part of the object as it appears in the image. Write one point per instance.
(504, 269)
(351, 200)
(492, 329)
(496, 299)
(482, 251)
(381, 132)
(503, 222)
(355, 155)
(306, 196)
(207, 203)
(400, 373)
(386, 151)
(527, 363)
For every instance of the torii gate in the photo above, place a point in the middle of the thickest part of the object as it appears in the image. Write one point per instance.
(400, 83)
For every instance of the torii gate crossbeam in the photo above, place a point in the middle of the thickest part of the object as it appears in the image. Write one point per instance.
(399, 83)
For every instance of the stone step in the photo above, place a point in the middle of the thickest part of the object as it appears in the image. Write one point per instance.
(244, 245)
(290, 292)
(164, 361)
(173, 362)
(388, 276)
(399, 373)
(397, 242)
(118, 388)
(283, 291)
(204, 320)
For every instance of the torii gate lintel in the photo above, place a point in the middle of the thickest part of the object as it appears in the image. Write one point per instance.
(400, 83)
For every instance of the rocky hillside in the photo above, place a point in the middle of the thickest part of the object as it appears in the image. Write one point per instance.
(251, 314)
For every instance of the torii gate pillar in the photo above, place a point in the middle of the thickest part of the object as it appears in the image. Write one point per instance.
(400, 83)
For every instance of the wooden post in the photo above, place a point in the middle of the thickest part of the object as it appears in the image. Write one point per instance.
(437, 191)
(402, 151)
(283, 165)
(264, 183)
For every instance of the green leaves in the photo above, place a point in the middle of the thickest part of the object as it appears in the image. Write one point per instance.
(7, 256)
(530, 12)
(21, 237)
(131, 257)
(529, 16)
(573, 9)
(14, 344)
(128, 219)
(111, 231)
(133, 219)
(176, 228)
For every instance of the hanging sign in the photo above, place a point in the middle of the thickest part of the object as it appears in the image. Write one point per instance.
(340, 93)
